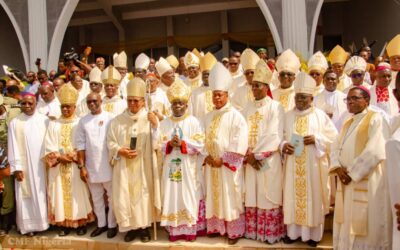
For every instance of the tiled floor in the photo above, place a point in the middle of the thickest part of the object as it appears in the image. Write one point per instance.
(50, 240)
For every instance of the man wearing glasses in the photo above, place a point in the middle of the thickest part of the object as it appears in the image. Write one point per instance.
(317, 65)
(288, 65)
(96, 86)
(355, 68)
(362, 216)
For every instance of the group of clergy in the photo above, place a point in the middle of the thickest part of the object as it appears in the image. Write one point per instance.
(247, 149)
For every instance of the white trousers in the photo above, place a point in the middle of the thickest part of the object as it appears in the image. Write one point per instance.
(97, 191)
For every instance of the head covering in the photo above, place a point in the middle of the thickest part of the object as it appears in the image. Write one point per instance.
(142, 62)
(262, 73)
(249, 59)
(178, 91)
(355, 62)
(288, 61)
(191, 60)
(120, 60)
(225, 59)
(261, 50)
(197, 53)
(393, 47)
(207, 62)
(95, 75)
(362, 88)
(305, 84)
(383, 66)
(317, 62)
(162, 66)
(220, 78)
(173, 61)
(67, 94)
(338, 55)
(136, 87)
(110, 75)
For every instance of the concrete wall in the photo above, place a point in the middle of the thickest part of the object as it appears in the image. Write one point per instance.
(10, 50)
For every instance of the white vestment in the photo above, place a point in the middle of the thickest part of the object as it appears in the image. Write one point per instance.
(160, 102)
(362, 213)
(25, 151)
(344, 82)
(182, 176)
(52, 108)
(201, 102)
(391, 107)
(285, 97)
(332, 103)
(306, 188)
(242, 96)
(115, 105)
(264, 187)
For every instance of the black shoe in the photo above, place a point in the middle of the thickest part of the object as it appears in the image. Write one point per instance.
(130, 236)
(288, 240)
(63, 231)
(98, 231)
(81, 230)
(312, 243)
(213, 235)
(111, 232)
(144, 235)
(232, 241)
(30, 234)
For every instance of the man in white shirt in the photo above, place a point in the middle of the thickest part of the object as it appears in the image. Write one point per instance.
(48, 105)
(93, 162)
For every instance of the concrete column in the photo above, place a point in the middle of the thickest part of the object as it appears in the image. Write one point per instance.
(37, 16)
(170, 33)
(224, 30)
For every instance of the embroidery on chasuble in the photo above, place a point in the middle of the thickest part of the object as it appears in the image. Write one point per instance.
(212, 148)
(209, 103)
(300, 182)
(253, 128)
(284, 100)
(109, 107)
(66, 169)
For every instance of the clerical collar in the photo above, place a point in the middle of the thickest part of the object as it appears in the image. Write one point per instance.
(133, 116)
(180, 118)
(114, 98)
(304, 112)
(261, 102)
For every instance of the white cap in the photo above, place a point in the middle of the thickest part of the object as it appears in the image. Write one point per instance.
(220, 78)
(304, 83)
(142, 62)
(120, 60)
(288, 61)
(317, 62)
(95, 75)
(355, 62)
(162, 66)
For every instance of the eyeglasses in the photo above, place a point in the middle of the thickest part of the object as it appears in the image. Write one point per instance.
(283, 74)
(250, 72)
(352, 99)
(94, 83)
(315, 74)
(91, 101)
(357, 75)
(301, 97)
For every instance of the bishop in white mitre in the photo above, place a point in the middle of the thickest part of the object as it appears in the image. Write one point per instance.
(112, 102)
(317, 65)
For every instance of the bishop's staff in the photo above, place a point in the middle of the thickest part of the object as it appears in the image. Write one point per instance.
(149, 108)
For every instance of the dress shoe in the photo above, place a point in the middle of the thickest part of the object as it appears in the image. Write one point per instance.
(312, 243)
(111, 232)
(81, 230)
(144, 235)
(98, 231)
(213, 235)
(63, 231)
(232, 241)
(130, 236)
(288, 240)
(30, 234)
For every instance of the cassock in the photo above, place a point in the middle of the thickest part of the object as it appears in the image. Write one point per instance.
(115, 105)
(264, 187)
(285, 97)
(201, 102)
(226, 138)
(242, 96)
(25, 150)
(183, 208)
(362, 218)
(383, 98)
(49, 109)
(332, 103)
(135, 193)
(306, 189)
(69, 198)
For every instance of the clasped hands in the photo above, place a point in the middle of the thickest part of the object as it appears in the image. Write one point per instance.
(176, 142)
(215, 163)
(250, 159)
(307, 140)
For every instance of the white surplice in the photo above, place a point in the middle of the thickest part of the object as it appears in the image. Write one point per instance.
(366, 198)
(242, 97)
(115, 105)
(160, 102)
(391, 107)
(182, 174)
(201, 102)
(285, 97)
(52, 108)
(264, 187)
(306, 188)
(30, 194)
(332, 102)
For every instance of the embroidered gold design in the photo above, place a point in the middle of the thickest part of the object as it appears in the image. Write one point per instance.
(284, 100)
(253, 128)
(66, 170)
(301, 128)
(181, 216)
(109, 107)
(250, 96)
(209, 103)
(211, 146)
(198, 137)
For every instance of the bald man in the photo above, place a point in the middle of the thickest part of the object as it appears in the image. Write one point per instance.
(48, 105)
